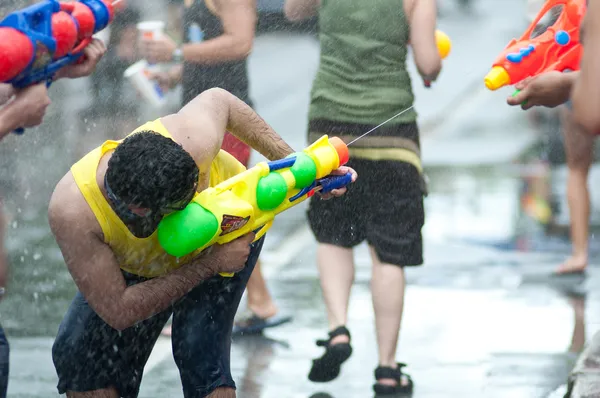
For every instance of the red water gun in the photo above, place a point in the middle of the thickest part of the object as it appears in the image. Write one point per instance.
(557, 49)
(37, 41)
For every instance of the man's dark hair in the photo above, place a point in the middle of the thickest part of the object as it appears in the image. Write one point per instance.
(150, 170)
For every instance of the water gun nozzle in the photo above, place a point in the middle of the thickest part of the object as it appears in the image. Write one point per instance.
(496, 78)
(341, 148)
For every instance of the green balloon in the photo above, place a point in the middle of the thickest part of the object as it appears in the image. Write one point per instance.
(304, 170)
(271, 191)
(184, 231)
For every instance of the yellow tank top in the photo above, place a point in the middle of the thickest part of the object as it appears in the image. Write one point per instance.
(139, 256)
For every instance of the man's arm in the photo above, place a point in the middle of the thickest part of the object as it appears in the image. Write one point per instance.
(423, 20)
(97, 274)
(586, 91)
(204, 120)
(239, 24)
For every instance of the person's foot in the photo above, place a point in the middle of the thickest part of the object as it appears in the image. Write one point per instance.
(390, 380)
(264, 311)
(574, 264)
(337, 350)
(404, 380)
(251, 323)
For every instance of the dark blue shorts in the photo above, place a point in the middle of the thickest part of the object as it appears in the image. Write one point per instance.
(89, 355)
(3, 363)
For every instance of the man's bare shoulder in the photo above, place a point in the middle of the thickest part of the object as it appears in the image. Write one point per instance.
(196, 127)
(68, 208)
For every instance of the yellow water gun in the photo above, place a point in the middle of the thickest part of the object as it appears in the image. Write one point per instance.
(250, 200)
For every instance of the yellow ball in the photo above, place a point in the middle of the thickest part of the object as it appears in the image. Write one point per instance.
(443, 42)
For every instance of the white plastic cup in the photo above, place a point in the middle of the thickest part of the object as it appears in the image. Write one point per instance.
(151, 29)
(139, 76)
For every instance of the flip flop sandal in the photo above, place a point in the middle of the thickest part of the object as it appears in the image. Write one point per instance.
(327, 367)
(556, 274)
(255, 324)
(384, 372)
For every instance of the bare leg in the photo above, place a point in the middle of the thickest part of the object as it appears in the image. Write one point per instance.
(104, 393)
(260, 301)
(223, 392)
(387, 288)
(578, 338)
(579, 150)
(336, 272)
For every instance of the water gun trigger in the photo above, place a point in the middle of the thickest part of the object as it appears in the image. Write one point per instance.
(79, 49)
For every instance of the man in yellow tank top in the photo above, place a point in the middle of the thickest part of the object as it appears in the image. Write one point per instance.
(104, 214)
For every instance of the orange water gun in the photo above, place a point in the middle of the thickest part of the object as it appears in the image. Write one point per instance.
(557, 49)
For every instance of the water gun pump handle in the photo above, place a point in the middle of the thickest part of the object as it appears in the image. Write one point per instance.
(330, 183)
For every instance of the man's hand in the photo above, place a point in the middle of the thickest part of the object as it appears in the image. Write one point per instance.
(92, 54)
(342, 170)
(27, 109)
(549, 89)
(31, 104)
(158, 50)
(232, 256)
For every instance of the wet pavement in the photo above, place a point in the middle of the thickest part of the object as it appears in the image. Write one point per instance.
(482, 317)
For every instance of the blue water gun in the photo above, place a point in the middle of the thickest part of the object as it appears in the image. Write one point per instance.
(39, 40)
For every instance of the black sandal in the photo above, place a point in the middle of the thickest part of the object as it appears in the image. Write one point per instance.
(327, 367)
(384, 372)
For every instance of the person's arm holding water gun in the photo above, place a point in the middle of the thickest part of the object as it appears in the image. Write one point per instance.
(586, 90)
(92, 54)
(27, 107)
(223, 111)
(422, 19)
(549, 89)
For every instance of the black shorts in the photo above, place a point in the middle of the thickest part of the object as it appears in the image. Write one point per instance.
(384, 207)
(90, 355)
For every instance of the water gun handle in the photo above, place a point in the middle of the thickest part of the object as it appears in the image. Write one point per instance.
(51, 70)
(324, 185)
(259, 234)
(330, 183)
(48, 72)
